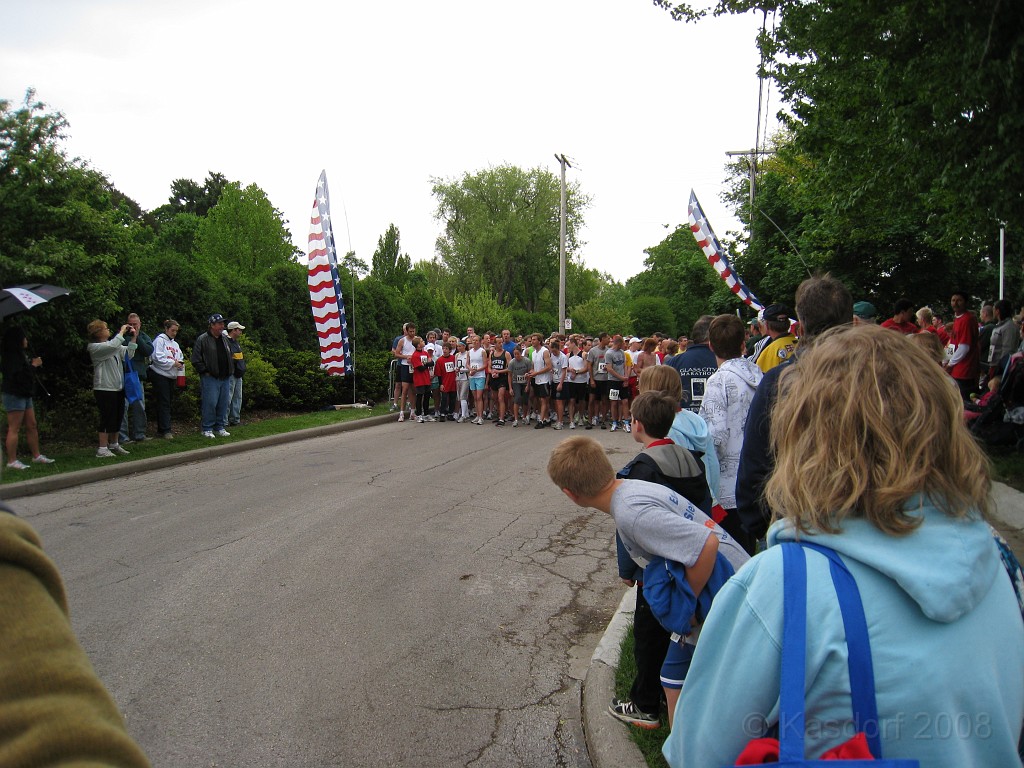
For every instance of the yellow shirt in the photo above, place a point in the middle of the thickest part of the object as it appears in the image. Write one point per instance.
(776, 352)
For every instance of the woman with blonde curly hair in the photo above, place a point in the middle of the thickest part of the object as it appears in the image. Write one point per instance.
(874, 463)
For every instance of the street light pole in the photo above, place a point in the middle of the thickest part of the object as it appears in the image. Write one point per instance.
(1002, 256)
(561, 246)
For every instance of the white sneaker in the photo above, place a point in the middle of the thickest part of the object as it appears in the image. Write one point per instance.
(116, 448)
(16, 465)
(558, 425)
(479, 421)
(208, 434)
(222, 433)
(419, 419)
(104, 453)
(515, 422)
(626, 427)
(40, 459)
(615, 425)
(572, 425)
(401, 416)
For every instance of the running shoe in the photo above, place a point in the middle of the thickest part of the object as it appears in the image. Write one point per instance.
(626, 711)
(40, 459)
(500, 423)
(615, 426)
(558, 425)
(515, 422)
(103, 453)
(626, 427)
(18, 465)
(116, 448)
(401, 416)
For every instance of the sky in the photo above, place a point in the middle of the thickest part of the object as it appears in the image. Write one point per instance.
(387, 96)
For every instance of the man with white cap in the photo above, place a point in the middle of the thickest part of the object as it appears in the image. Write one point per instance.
(233, 333)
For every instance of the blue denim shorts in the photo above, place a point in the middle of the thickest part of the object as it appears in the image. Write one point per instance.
(16, 402)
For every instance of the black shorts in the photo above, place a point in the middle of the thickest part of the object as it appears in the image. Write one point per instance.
(618, 390)
(541, 390)
(599, 388)
(579, 391)
(404, 373)
(499, 382)
(560, 394)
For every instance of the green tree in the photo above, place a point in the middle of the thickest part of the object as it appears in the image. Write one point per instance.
(244, 232)
(678, 271)
(905, 112)
(503, 223)
(389, 264)
(59, 223)
(652, 313)
(187, 196)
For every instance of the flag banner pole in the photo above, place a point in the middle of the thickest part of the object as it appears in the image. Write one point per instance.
(325, 287)
(715, 253)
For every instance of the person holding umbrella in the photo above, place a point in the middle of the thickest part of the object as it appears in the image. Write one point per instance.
(108, 355)
(18, 387)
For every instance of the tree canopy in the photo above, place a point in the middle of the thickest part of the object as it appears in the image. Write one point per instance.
(503, 223)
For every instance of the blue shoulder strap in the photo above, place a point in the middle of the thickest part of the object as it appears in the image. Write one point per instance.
(862, 671)
(794, 645)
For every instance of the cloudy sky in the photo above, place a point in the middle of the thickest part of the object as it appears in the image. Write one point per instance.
(387, 95)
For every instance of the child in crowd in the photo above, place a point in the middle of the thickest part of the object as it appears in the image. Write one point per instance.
(665, 463)
(652, 521)
(688, 429)
(421, 374)
(446, 372)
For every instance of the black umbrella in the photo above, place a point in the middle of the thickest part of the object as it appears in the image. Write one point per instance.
(22, 297)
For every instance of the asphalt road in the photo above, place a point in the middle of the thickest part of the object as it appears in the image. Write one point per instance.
(400, 595)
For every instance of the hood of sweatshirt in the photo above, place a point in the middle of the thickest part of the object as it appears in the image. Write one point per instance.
(744, 370)
(946, 565)
(674, 461)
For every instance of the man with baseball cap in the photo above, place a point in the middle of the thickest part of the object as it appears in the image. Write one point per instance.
(212, 360)
(783, 342)
(234, 332)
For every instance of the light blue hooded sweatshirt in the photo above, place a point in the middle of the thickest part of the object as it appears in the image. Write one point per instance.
(691, 431)
(947, 643)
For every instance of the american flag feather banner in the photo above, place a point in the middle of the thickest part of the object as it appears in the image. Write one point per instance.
(708, 243)
(325, 287)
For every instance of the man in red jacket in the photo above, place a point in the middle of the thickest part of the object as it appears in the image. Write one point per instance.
(964, 365)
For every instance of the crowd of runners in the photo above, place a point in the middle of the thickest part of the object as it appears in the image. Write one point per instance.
(561, 381)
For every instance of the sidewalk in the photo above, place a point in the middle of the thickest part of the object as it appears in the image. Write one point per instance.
(608, 740)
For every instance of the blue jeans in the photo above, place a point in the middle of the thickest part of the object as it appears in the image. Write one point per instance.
(214, 406)
(234, 400)
(138, 413)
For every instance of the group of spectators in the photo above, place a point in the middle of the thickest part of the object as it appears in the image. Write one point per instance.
(217, 359)
(846, 440)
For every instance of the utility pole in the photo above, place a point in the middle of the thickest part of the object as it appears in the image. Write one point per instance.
(561, 246)
(751, 155)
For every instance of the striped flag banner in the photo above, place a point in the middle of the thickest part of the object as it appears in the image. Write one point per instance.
(708, 242)
(325, 287)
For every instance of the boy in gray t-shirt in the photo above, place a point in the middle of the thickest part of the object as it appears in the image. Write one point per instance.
(651, 520)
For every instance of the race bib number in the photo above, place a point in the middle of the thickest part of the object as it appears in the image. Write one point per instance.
(601, 367)
(520, 379)
(613, 394)
(450, 367)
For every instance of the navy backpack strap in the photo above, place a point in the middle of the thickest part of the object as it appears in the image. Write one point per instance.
(862, 671)
(794, 645)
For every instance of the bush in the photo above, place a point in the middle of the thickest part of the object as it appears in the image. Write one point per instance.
(301, 383)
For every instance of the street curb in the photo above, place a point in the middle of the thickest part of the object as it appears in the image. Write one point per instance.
(125, 469)
(608, 741)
